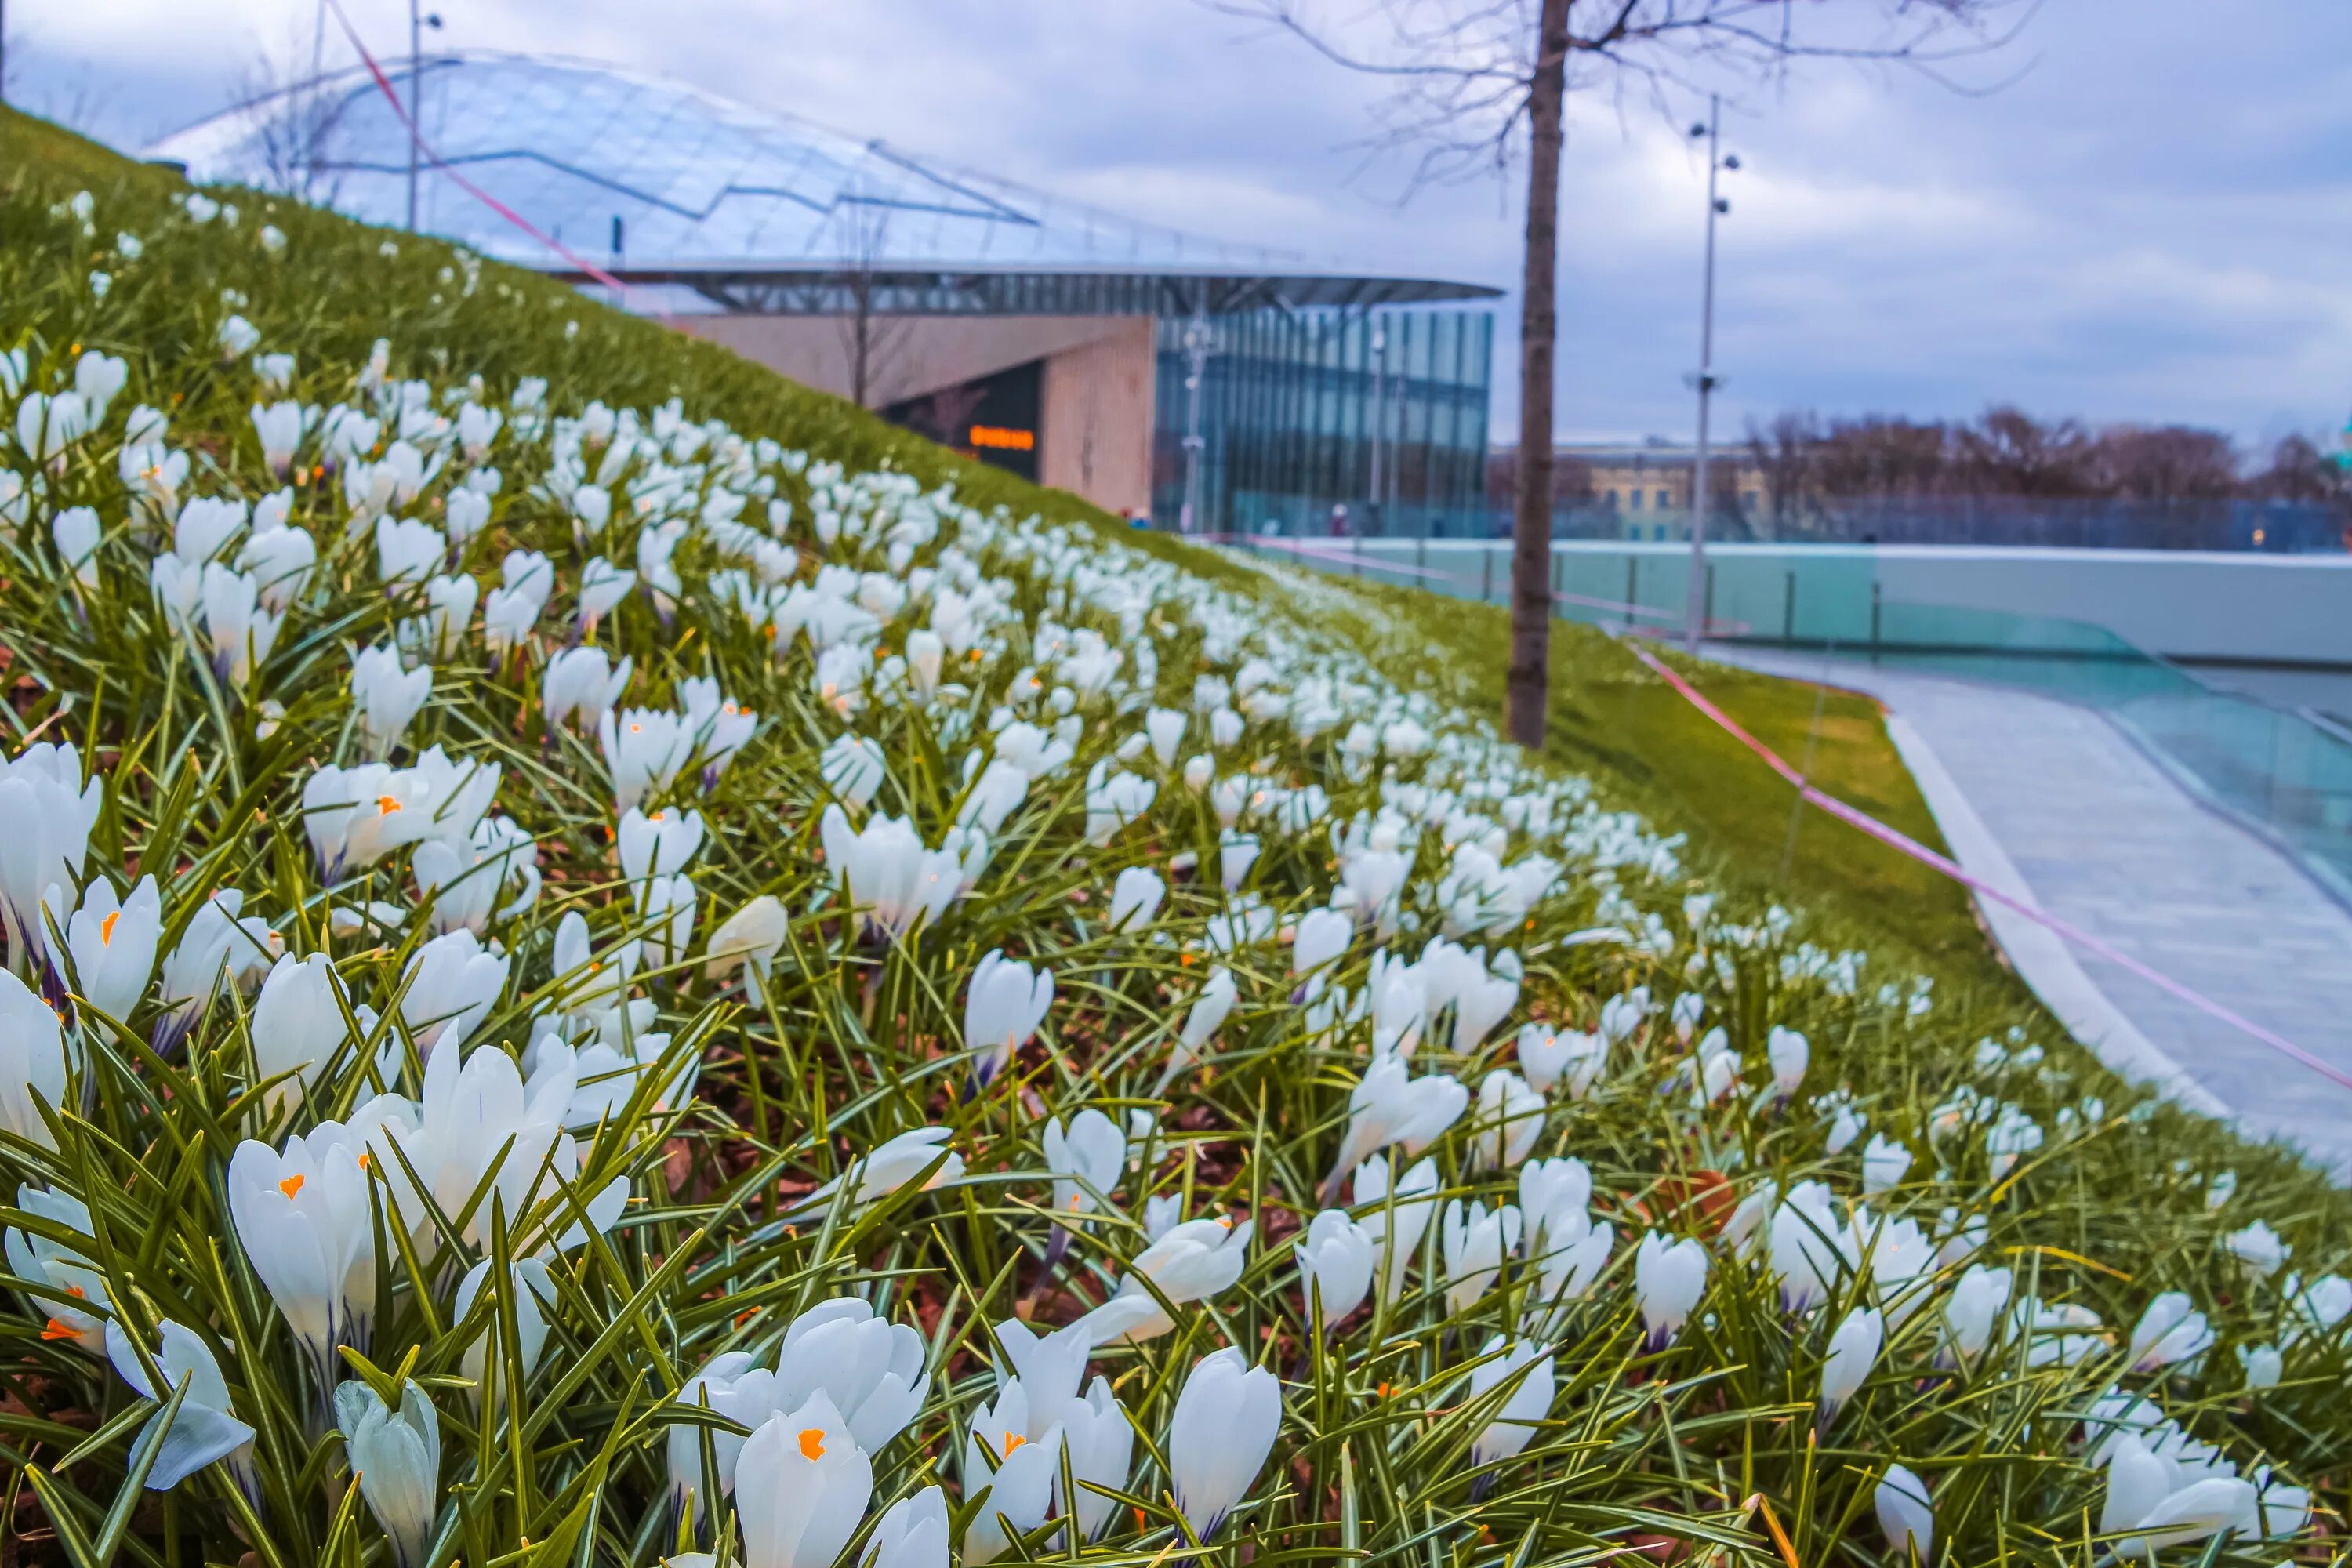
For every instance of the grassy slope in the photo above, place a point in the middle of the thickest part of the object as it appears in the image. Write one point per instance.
(1643, 749)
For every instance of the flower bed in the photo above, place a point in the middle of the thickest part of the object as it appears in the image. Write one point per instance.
(609, 961)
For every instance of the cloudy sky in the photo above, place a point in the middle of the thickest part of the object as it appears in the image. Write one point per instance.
(2146, 218)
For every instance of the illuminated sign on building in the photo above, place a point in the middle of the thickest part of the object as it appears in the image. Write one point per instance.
(999, 439)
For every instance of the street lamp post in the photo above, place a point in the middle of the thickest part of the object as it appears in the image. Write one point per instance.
(1694, 599)
(1377, 517)
(417, 25)
(1196, 357)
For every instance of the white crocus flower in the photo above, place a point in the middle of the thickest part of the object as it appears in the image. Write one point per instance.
(1101, 1440)
(302, 1216)
(1020, 1471)
(581, 683)
(2258, 1249)
(853, 769)
(204, 1430)
(2168, 1503)
(1390, 1106)
(33, 1061)
(885, 872)
(1196, 1260)
(602, 586)
(1669, 1278)
(891, 1166)
(1226, 1419)
(1548, 1055)
(1003, 1005)
(74, 1311)
(1335, 1265)
(643, 749)
(396, 1455)
(1475, 1244)
(49, 812)
(386, 697)
(1165, 728)
(113, 944)
(1854, 1350)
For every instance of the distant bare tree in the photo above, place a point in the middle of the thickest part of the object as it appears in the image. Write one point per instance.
(291, 119)
(2299, 471)
(873, 339)
(2165, 465)
(1473, 82)
(1784, 455)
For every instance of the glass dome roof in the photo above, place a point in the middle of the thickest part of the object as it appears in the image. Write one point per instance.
(660, 184)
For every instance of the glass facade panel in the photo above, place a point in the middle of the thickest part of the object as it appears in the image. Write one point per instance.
(1381, 412)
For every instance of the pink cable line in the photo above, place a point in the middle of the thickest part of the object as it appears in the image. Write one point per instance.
(1950, 868)
(462, 183)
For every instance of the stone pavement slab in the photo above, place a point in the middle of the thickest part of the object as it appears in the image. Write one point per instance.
(2053, 801)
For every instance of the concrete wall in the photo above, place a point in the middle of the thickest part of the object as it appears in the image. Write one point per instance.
(2189, 605)
(1097, 417)
(1097, 399)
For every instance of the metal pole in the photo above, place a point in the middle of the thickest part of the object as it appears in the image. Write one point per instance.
(415, 96)
(1196, 350)
(1379, 364)
(1693, 605)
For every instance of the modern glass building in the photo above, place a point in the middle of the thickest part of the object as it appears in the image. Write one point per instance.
(1032, 332)
(1381, 414)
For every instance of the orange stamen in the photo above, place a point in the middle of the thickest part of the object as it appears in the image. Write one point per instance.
(812, 1443)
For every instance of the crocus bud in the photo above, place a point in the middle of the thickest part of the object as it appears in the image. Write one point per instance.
(751, 937)
(1165, 726)
(1226, 1420)
(1971, 1310)
(1335, 1265)
(204, 1431)
(1086, 1160)
(1669, 1278)
(1475, 1243)
(1322, 938)
(1003, 1005)
(1789, 1053)
(2169, 1331)
(1904, 1517)
(1854, 1350)
(1135, 899)
(1528, 1368)
(1883, 1163)
(911, 1533)
(397, 1455)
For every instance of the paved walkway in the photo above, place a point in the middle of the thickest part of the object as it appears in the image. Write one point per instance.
(2051, 801)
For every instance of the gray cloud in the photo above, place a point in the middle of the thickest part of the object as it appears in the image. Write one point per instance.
(2148, 223)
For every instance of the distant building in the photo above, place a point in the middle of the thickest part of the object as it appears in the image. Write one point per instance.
(1636, 489)
(1042, 336)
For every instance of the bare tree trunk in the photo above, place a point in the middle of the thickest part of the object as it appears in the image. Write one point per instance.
(863, 329)
(1527, 692)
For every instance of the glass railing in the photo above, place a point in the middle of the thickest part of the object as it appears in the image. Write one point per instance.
(2279, 770)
